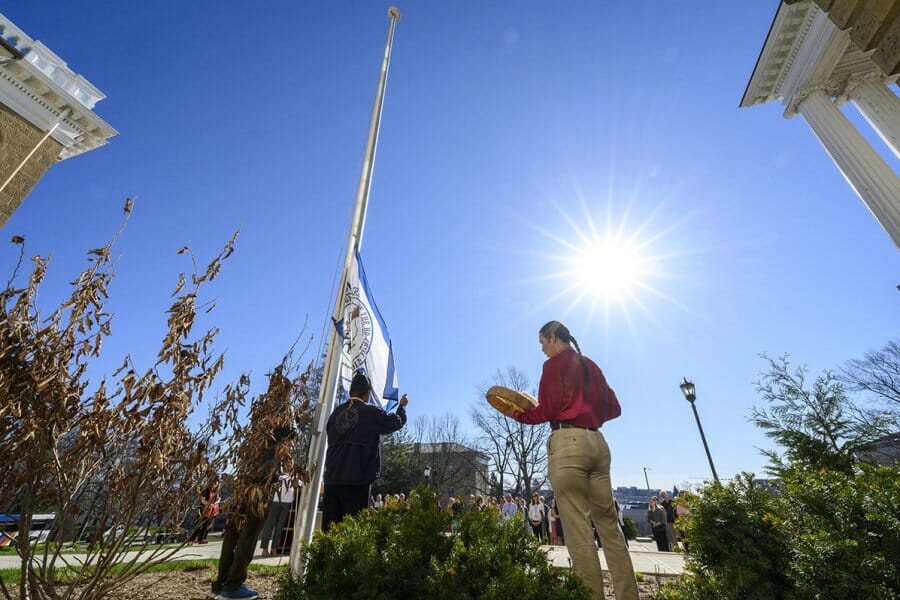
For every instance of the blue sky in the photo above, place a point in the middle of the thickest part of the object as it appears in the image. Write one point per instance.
(508, 127)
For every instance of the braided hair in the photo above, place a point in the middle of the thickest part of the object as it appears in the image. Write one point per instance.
(562, 332)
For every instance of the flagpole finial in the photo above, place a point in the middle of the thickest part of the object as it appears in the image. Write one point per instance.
(394, 13)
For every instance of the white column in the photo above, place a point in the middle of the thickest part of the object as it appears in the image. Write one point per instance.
(868, 173)
(881, 108)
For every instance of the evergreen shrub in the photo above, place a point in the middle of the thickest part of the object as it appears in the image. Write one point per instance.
(846, 532)
(737, 546)
(407, 552)
(828, 534)
(630, 529)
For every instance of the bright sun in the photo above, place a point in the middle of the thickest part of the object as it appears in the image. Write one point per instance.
(608, 269)
(613, 268)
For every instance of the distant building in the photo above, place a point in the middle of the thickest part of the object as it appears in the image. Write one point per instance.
(46, 114)
(455, 470)
(886, 451)
(634, 495)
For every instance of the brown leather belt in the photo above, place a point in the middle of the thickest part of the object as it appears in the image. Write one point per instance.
(554, 425)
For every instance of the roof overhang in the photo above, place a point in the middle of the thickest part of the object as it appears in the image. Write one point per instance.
(39, 87)
(805, 48)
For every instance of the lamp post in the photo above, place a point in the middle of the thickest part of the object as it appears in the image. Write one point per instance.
(646, 480)
(427, 475)
(690, 394)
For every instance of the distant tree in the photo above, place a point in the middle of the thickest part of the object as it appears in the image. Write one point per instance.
(515, 449)
(398, 469)
(817, 426)
(877, 376)
(436, 441)
(440, 442)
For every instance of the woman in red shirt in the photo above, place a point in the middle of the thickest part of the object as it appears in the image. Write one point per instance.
(575, 399)
(206, 513)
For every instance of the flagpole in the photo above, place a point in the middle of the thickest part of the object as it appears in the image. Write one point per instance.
(305, 518)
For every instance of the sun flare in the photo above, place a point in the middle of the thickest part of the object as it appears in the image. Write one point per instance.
(608, 269)
(614, 266)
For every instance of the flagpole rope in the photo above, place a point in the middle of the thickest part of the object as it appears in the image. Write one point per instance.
(320, 358)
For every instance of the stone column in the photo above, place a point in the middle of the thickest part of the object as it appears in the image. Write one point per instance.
(869, 175)
(881, 108)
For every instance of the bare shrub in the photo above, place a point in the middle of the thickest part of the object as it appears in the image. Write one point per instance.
(120, 462)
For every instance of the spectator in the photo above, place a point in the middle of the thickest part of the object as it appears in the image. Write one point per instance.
(552, 518)
(523, 508)
(207, 512)
(545, 525)
(508, 510)
(620, 516)
(656, 516)
(560, 532)
(536, 517)
(454, 507)
(666, 503)
(279, 509)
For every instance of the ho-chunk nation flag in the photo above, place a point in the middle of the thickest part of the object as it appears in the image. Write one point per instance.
(367, 345)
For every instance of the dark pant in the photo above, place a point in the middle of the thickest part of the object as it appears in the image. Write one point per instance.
(238, 545)
(272, 528)
(662, 542)
(342, 500)
(537, 530)
(202, 529)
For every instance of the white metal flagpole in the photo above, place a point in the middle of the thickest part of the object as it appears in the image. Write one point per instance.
(305, 518)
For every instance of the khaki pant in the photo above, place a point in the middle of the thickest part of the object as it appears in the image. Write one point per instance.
(578, 465)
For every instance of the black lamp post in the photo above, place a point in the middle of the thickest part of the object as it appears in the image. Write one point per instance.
(690, 394)
(427, 475)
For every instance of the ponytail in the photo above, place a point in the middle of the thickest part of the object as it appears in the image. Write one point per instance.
(584, 369)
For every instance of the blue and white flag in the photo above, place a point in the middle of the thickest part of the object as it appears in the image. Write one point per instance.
(367, 345)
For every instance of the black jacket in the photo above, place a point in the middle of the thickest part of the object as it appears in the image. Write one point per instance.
(354, 454)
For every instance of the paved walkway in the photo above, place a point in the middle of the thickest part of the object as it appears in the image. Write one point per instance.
(643, 555)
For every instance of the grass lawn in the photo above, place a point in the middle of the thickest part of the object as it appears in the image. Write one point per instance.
(13, 576)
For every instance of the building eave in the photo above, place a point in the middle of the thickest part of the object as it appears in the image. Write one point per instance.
(41, 88)
(778, 53)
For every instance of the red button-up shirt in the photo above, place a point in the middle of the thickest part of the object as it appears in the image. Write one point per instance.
(563, 396)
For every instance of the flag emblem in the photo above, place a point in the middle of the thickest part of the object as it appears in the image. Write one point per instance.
(358, 331)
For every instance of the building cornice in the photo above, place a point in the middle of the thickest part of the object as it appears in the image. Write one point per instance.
(790, 25)
(41, 87)
(805, 50)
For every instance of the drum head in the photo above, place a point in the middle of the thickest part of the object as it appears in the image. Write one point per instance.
(504, 399)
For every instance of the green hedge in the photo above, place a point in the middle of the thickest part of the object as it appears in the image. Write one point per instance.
(824, 534)
(406, 552)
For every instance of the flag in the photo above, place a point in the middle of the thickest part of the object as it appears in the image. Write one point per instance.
(367, 345)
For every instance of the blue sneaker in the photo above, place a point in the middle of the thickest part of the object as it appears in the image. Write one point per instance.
(242, 593)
